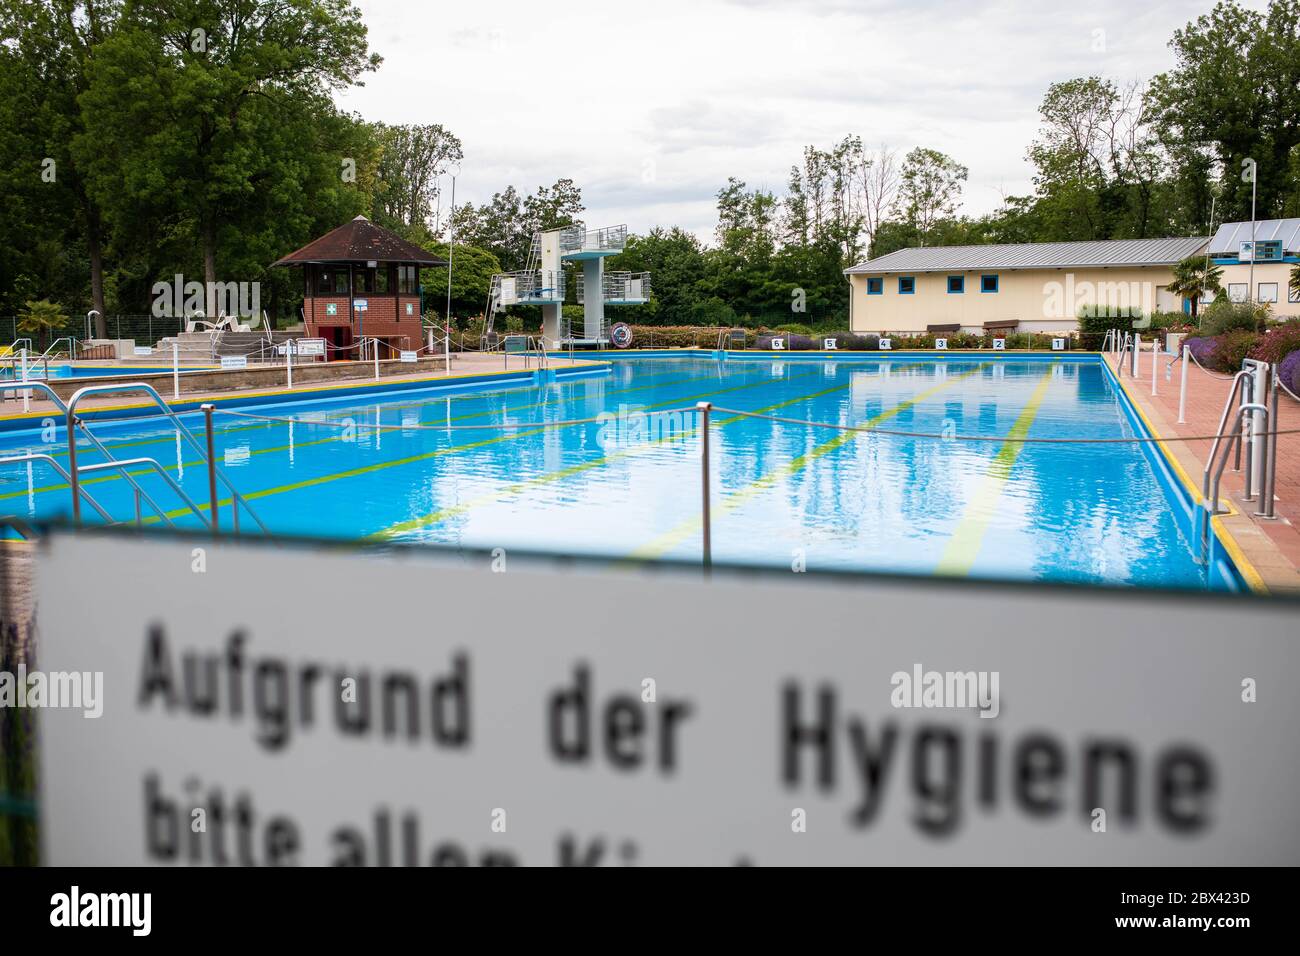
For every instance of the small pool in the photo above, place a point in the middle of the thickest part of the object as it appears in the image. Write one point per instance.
(785, 494)
(93, 371)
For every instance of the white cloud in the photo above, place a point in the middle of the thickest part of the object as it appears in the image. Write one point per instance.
(650, 107)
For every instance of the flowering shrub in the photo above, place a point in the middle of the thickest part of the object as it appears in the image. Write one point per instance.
(1278, 342)
(1289, 371)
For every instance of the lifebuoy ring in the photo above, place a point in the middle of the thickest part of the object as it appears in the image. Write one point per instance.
(621, 335)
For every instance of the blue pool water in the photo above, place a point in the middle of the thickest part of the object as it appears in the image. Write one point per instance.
(784, 494)
(90, 371)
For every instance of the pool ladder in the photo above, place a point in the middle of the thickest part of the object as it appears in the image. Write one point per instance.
(1263, 412)
(74, 472)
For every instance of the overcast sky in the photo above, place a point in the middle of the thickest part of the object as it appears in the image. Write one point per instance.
(649, 107)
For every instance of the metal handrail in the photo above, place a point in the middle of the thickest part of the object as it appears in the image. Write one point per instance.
(236, 498)
(1210, 500)
(121, 464)
(53, 463)
(1125, 347)
(72, 444)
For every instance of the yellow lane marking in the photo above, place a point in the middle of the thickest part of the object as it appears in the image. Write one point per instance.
(963, 547)
(670, 539)
(117, 476)
(380, 466)
(425, 521)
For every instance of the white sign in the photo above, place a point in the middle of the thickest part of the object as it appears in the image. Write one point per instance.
(311, 347)
(507, 294)
(941, 344)
(617, 735)
(778, 345)
(409, 357)
(831, 345)
(1058, 345)
(361, 304)
(143, 350)
(886, 344)
(1246, 251)
(234, 361)
(999, 345)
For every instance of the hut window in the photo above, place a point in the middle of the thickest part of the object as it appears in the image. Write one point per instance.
(407, 280)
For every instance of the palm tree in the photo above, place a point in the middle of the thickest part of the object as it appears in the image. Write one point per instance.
(1295, 280)
(1194, 277)
(41, 318)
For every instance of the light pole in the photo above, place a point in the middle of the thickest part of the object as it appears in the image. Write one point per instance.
(451, 252)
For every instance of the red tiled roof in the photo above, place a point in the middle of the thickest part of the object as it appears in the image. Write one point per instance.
(360, 241)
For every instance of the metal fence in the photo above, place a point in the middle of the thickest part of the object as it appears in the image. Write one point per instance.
(145, 329)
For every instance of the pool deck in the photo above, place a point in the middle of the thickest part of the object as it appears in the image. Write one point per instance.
(1272, 546)
(465, 369)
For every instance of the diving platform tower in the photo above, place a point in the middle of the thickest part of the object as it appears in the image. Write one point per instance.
(543, 283)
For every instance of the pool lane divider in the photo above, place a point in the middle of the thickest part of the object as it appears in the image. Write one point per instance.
(456, 449)
(963, 546)
(664, 543)
(436, 517)
(434, 383)
(169, 439)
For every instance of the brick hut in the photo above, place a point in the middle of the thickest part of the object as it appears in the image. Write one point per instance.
(361, 280)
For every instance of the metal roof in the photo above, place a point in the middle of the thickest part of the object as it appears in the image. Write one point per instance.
(1227, 241)
(360, 241)
(1035, 255)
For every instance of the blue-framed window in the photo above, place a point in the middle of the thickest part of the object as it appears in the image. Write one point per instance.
(989, 283)
(956, 285)
(875, 285)
(906, 285)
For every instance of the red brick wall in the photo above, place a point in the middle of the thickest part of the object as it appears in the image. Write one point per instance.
(385, 316)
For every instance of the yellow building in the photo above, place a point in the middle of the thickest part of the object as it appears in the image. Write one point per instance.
(1275, 251)
(1026, 287)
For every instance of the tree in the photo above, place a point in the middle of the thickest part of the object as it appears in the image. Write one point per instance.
(1193, 280)
(411, 163)
(1236, 89)
(39, 319)
(51, 42)
(471, 279)
(1295, 280)
(931, 185)
(186, 96)
(505, 225)
(878, 187)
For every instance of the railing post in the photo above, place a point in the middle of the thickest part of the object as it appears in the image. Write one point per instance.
(1135, 369)
(706, 510)
(288, 358)
(73, 482)
(1182, 387)
(176, 370)
(1270, 445)
(375, 344)
(212, 465)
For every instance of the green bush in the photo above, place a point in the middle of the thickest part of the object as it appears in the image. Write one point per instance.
(1100, 319)
(796, 329)
(1226, 316)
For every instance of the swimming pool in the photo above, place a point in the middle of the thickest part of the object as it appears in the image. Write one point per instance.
(628, 484)
(93, 371)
